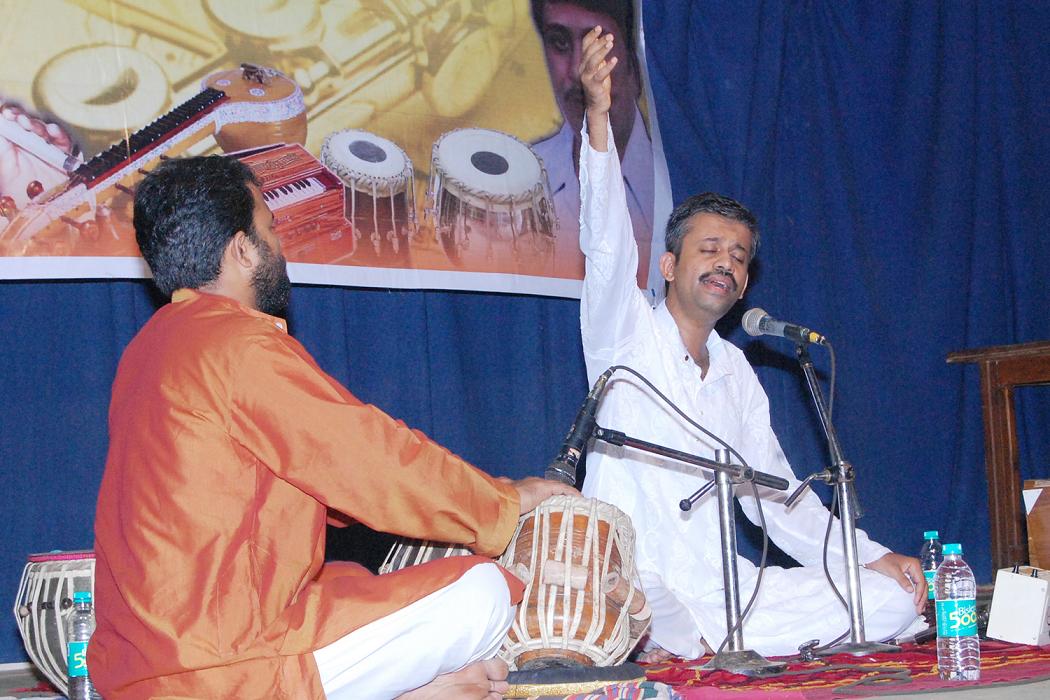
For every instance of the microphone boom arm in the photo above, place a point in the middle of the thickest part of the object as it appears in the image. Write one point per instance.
(737, 473)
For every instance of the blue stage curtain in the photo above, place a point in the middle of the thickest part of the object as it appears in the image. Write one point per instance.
(894, 153)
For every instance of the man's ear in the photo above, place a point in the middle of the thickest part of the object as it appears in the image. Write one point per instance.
(241, 252)
(667, 266)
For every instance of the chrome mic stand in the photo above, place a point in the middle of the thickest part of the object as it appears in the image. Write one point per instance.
(735, 658)
(840, 474)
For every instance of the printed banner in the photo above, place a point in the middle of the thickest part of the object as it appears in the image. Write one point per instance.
(400, 143)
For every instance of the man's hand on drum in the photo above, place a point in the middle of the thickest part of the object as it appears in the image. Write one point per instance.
(533, 491)
(595, 73)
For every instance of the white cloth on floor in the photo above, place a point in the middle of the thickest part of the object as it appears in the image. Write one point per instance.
(464, 622)
(679, 554)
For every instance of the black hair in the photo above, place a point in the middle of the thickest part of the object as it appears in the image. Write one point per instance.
(186, 212)
(710, 203)
(621, 11)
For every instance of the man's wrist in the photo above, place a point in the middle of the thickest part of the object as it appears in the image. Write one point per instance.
(597, 129)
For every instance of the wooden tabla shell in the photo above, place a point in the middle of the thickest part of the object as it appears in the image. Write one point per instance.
(45, 602)
(576, 557)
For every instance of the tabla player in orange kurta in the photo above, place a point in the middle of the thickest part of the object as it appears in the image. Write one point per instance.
(228, 448)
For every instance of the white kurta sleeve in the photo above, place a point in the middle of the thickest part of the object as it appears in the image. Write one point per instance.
(611, 304)
(800, 530)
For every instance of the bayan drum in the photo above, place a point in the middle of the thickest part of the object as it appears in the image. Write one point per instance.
(379, 193)
(581, 606)
(491, 202)
(407, 552)
(45, 601)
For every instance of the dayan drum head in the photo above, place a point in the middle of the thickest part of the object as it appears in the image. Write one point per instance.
(367, 163)
(488, 169)
(45, 602)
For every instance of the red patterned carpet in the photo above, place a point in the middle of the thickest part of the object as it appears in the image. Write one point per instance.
(913, 670)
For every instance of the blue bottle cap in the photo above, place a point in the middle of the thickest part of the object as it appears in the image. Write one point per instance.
(82, 597)
(952, 549)
(931, 535)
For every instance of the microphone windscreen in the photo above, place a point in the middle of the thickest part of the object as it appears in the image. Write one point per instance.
(752, 321)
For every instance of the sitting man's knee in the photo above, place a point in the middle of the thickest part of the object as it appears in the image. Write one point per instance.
(482, 595)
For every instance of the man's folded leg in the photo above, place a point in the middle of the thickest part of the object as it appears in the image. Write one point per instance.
(453, 627)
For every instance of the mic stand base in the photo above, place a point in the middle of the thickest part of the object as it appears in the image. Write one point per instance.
(859, 649)
(745, 662)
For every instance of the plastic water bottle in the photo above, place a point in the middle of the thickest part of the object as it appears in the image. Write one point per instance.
(930, 557)
(955, 591)
(79, 628)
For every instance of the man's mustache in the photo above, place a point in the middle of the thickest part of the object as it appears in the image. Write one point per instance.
(725, 273)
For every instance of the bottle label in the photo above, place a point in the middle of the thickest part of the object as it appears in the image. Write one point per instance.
(77, 659)
(929, 583)
(957, 618)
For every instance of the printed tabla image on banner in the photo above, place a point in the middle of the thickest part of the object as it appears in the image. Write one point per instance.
(420, 144)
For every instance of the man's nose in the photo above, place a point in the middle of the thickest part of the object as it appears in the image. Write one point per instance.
(726, 263)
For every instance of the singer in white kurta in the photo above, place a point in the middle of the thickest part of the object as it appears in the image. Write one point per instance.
(679, 553)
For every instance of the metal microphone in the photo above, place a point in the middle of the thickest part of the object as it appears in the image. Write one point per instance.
(563, 468)
(757, 322)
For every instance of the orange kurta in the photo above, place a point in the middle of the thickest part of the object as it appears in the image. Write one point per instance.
(228, 445)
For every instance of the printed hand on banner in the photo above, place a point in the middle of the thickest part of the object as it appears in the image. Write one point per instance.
(24, 176)
(596, 78)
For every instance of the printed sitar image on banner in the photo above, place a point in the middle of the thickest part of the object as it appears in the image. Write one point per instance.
(425, 144)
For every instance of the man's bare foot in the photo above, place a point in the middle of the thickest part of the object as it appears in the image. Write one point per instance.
(659, 655)
(482, 680)
(656, 655)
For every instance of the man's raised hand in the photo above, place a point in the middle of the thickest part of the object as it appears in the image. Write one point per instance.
(595, 74)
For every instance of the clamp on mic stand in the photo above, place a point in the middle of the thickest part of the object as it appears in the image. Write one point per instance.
(840, 474)
(735, 658)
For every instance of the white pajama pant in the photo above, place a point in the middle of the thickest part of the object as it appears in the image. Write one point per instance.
(452, 627)
(793, 607)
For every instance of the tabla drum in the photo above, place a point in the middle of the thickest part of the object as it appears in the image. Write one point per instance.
(491, 202)
(408, 552)
(380, 202)
(44, 603)
(265, 107)
(581, 605)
